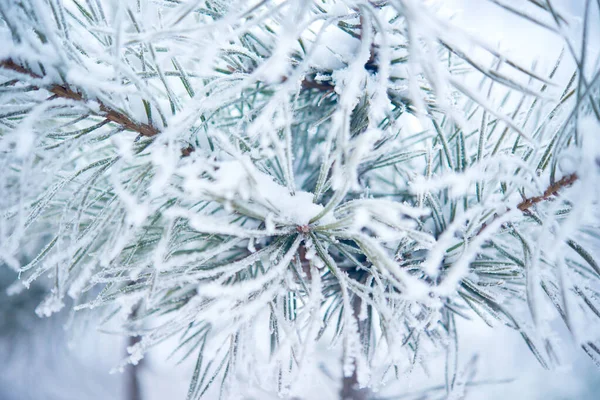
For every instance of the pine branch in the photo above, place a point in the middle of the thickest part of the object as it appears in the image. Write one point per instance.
(552, 190)
(66, 92)
(231, 232)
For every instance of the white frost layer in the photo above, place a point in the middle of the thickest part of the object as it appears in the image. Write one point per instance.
(236, 180)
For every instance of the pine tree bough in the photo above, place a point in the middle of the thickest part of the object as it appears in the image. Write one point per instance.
(266, 180)
(111, 115)
(68, 93)
(552, 190)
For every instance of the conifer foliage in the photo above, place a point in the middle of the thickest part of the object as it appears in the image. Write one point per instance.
(261, 178)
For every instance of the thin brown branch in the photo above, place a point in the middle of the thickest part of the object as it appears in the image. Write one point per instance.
(552, 190)
(66, 92)
(322, 86)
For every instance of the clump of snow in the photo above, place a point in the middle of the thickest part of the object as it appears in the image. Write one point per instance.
(240, 181)
(123, 143)
(334, 50)
(51, 304)
(296, 208)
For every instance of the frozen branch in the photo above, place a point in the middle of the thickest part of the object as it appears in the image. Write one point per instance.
(66, 92)
(550, 191)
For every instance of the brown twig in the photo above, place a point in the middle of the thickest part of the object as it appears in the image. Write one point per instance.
(322, 86)
(552, 190)
(66, 92)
